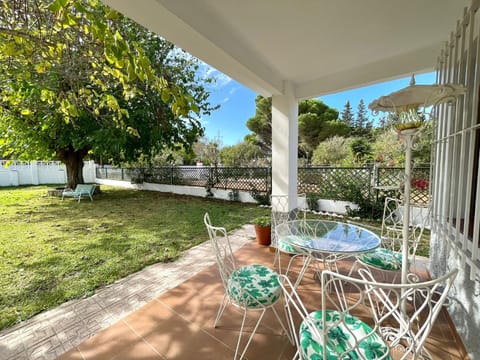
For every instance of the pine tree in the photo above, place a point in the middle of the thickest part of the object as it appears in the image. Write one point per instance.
(361, 120)
(347, 114)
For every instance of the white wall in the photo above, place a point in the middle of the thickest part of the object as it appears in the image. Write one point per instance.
(243, 196)
(39, 172)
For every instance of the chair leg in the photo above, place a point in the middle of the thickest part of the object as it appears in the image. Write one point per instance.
(306, 262)
(278, 257)
(354, 265)
(251, 335)
(221, 309)
(283, 326)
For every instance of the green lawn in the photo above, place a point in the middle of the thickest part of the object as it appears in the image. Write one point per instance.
(53, 250)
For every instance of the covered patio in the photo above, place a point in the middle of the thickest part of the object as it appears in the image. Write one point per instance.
(293, 50)
(179, 323)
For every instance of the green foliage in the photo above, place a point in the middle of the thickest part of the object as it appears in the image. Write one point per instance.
(368, 207)
(316, 122)
(79, 79)
(234, 195)
(362, 121)
(312, 201)
(208, 151)
(423, 149)
(333, 151)
(262, 198)
(261, 123)
(241, 154)
(52, 251)
(347, 115)
(355, 190)
(263, 221)
(387, 148)
(361, 150)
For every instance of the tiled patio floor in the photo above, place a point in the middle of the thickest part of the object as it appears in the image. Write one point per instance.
(180, 303)
(178, 324)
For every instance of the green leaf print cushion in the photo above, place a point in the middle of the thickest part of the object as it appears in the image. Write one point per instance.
(341, 338)
(382, 258)
(254, 286)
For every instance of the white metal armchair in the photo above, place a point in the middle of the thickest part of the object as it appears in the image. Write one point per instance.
(250, 287)
(281, 214)
(363, 319)
(388, 257)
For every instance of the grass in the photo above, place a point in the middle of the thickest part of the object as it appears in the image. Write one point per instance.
(52, 251)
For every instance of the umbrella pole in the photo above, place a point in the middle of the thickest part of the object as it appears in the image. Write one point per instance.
(408, 138)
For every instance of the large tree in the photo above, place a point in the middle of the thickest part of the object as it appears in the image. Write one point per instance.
(316, 122)
(244, 153)
(78, 78)
(261, 123)
(347, 115)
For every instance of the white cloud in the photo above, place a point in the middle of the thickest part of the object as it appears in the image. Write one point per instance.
(205, 71)
(220, 80)
(233, 90)
(225, 100)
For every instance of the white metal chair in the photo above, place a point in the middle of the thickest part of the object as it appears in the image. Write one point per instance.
(250, 287)
(388, 257)
(281, 214)
(360, 318)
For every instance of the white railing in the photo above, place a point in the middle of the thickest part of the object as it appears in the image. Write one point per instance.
(456, 175)
(15, 173)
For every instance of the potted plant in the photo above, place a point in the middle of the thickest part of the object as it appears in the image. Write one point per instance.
(263, 229)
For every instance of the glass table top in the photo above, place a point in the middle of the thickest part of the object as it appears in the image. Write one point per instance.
(327, 236)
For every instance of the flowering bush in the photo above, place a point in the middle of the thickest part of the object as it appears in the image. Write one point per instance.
(420, 184)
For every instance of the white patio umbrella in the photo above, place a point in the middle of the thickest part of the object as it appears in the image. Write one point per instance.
(405, 103)
(416, 96)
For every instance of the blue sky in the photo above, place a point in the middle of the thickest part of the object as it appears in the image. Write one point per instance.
(237, 103)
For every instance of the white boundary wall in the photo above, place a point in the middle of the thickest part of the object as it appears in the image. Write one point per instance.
(40, 172)
(243, 196)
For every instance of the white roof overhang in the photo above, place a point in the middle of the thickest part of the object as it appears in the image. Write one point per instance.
(319, 46)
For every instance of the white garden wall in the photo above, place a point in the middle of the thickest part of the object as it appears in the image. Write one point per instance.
(39, 172)
(243, 196)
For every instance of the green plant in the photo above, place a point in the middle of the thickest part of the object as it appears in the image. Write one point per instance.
(234, 195)
(312, 201)
(263, 221)
(262, 198)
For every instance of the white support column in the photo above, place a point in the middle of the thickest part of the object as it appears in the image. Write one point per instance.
(285, 145)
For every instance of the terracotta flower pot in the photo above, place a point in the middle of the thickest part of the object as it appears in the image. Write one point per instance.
(263, 234)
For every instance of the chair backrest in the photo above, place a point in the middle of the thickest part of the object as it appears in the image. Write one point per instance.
(281, 213)
(359, 316)
(222, 249)
(392, 225)
(85, 188)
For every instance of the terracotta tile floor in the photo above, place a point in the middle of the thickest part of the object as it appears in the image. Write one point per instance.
(178, 324)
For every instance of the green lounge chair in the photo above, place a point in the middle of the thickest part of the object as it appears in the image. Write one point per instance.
(80, 190)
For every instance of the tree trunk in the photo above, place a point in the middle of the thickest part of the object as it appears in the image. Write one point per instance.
(73, 160)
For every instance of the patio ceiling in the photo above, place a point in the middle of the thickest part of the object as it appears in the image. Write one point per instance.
(319, 46)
